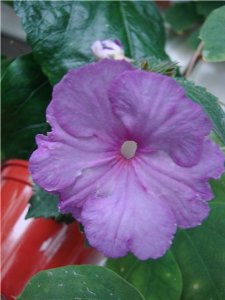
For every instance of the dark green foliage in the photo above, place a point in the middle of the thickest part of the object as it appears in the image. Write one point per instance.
(25, 96)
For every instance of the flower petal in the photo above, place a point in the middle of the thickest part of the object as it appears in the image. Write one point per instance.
(80, 103)
(123, 217)
(57, 163)
(155, 110)
(85, 187)
(184, 190)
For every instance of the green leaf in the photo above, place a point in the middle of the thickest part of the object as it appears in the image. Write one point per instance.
(212, 35)
(25, 96)
(193, 39)
(8, 2)
(154, 64)
(209, 103)
(5, 61)
(217, 141)
(200, 252)
(79, 283)
(204, 8)
(61, 32)
(156, 279)
(182, 16)
(45, 205)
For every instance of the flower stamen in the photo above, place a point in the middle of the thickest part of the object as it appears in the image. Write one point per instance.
(128, 149)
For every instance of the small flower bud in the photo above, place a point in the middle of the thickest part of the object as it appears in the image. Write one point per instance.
(108, 49)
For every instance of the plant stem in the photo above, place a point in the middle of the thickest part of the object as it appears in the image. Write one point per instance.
(193, 60)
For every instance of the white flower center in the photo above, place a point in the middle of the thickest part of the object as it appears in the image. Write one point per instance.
(128, 149)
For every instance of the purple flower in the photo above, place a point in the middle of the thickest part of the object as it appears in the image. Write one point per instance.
(129, 156)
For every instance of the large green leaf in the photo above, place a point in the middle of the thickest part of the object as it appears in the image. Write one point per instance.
(212, 35)
(209, 103)
(200, 252)
(25, 95)
(61, 32)
(79, 283)
(156, 279)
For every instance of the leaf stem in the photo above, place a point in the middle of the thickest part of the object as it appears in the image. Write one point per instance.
(194, 60)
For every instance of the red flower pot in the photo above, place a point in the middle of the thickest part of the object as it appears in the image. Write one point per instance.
(29, 246)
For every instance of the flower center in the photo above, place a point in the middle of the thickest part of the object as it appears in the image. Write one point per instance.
(128, 149)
